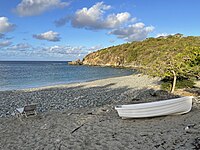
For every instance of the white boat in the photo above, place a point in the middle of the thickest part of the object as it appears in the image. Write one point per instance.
(153, 109)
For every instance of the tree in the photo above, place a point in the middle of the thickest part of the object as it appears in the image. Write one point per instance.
(182, 63)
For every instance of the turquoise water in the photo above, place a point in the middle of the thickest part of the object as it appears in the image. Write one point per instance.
(16, 75)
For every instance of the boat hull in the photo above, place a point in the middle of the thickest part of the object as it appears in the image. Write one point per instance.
(153, 109)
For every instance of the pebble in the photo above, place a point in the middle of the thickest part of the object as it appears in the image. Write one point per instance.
(58, 99)
(70, 98)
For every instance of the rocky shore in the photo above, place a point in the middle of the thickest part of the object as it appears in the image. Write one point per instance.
(78, 95)
(82, 116)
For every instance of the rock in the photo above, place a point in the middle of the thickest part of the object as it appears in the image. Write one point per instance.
(187, 128)
(77, 62)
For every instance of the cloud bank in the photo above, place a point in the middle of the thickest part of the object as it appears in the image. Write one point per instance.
(56, 51)
(36, 7)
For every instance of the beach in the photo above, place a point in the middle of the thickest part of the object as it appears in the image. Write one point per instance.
(82, 116)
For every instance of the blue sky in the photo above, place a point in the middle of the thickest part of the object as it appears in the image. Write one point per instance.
(70, 29)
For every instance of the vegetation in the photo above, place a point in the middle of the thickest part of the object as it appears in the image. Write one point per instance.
(181, 83)
(168, 57)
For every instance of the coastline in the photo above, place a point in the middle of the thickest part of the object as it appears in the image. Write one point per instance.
(35, 74)
(130, 81)
(76, 95)
(82, 116)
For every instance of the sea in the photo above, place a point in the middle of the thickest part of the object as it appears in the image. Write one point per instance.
(16, 75)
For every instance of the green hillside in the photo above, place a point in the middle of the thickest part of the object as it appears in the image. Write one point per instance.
(162, 56)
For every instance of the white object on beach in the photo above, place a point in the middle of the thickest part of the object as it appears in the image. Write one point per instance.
(20, 110)
(159, 108)
(26, 110)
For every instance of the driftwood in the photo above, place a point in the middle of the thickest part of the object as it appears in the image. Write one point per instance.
(73, 113)
(77, 128)
(76, 113)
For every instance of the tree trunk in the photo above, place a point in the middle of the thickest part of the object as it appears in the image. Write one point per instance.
(174, 82)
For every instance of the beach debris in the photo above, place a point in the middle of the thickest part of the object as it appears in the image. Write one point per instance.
(192, 129)
(105, 110)
(197, 100)
(189, 126)
(73, 113)
(90, 113)
(77, 128)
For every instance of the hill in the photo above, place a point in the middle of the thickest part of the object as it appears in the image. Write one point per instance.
(173, 56)
(139, 53)
(145, 54)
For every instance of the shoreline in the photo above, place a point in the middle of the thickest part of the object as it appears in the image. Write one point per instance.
(76, 95)
(39, 74)
(64, 83)
(82, 94)
(82, 116)
(87, 83)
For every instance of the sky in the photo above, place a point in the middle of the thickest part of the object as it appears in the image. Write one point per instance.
(63, 30)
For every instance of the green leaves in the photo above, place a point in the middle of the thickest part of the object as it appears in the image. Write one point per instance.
(185, 61)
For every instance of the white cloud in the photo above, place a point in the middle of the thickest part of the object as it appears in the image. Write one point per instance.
(165, 34)
(36, 7)
(93, 18)
(135, 32)
(90, 17)
(115, 20)
(5, 25)
(162, 34)
(5, 43)
(123, 25)
(49, 36)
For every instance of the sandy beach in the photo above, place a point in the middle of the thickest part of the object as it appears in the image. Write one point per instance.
(82, 116)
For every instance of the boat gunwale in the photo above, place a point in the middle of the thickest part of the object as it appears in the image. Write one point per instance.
(154, 104)
(156, 108)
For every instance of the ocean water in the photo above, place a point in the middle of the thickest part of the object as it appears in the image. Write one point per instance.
(15, 75)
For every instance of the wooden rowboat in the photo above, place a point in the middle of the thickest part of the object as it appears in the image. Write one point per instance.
(175, 106)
